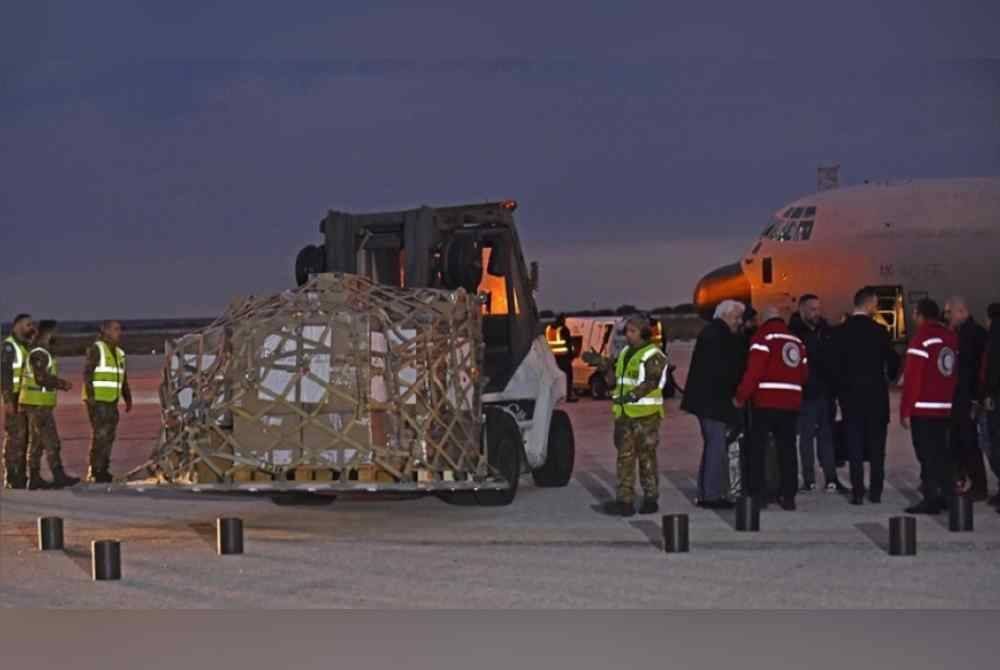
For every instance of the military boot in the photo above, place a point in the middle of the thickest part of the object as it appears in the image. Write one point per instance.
(99, 477)
(14, 479)
(35, 481)
(61, 480)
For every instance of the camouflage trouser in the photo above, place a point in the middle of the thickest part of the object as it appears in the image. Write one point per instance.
(42, 436)
(15, 445)
(637, 439)
(104, 427)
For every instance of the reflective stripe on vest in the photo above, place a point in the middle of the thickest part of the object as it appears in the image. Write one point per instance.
(20, 360)
(32, 394)
(109, 375)
(633, 374)
(559, 346)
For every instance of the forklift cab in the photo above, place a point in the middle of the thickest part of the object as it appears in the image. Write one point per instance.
(473, 247)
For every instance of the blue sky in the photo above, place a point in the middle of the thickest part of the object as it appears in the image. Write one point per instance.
(159, 158)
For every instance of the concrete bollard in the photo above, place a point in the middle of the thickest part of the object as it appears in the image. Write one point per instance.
(960, 514)
(902, 536)
(675, 533)
(747, 514)
(50, 533)
(106, 559)
(229, 536)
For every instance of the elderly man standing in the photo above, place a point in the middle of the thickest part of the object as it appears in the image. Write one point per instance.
(716, 369)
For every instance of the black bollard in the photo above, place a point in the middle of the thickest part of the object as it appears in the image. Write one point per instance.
(50, 533)
(675, 533)
(747, 514)
(106, 558)
(902, 536)
(229, 536)
(960, 514)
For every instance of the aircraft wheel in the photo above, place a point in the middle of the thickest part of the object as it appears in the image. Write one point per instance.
(558, 468)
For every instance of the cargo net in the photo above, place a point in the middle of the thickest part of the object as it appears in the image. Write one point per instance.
(339, 384)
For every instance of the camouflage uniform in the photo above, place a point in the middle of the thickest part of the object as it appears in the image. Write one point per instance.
(15, 443)
(43, 436)
(637, 439)
(103, 418)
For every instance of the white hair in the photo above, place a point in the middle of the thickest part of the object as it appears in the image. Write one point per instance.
(727, 307)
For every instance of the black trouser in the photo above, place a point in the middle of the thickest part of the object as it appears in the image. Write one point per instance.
(782, 425)
(968, 458)
(930, 441)
(866, 433)
(565, 364)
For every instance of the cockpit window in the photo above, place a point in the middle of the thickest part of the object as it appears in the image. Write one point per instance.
(769, 230)
(798, 212)
(805, 230)
(788, 212)
(788, 232)
(810, 212)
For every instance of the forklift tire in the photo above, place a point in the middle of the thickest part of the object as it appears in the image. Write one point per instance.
(598, 387)
(505, 448)
(558, 468)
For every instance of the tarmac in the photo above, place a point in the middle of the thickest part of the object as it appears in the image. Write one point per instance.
(549, 549)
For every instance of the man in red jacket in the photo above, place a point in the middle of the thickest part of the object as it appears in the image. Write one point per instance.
(777, 368)
(928, 388)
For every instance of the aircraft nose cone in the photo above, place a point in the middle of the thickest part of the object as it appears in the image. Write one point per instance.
(725, 283)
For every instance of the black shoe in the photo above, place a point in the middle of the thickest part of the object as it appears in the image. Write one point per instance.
(836, 486)
(787, 504)
(875, 498)
(618, 508)
(924, 507)
(649, 506)
(61, 480)
(808, 487)
(573, 399)
(857, 500)
(100, 477)
(36, 483)
(15, 481)
(994, 501)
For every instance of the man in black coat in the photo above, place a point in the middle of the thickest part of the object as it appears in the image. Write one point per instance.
(816, 419)
(990, 390)
(716, 368)
(972, 340)
(863, 363)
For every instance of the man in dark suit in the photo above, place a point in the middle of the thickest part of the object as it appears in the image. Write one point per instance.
(716, 368)
(972, 339)
(865, 364)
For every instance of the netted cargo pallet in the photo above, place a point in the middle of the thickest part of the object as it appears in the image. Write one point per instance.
(339, 384)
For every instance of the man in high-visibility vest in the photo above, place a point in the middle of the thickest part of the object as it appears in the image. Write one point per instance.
(39, 390)
(13, 358)
(561, 343)
(105, 384)
(637, 377)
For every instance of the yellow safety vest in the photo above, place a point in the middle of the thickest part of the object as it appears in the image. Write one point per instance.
(20, 360)
(559, 346)
(630, 375)
(109, 375)
(32, 394)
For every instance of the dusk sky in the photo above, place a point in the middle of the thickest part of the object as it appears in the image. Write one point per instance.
(159, 158)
